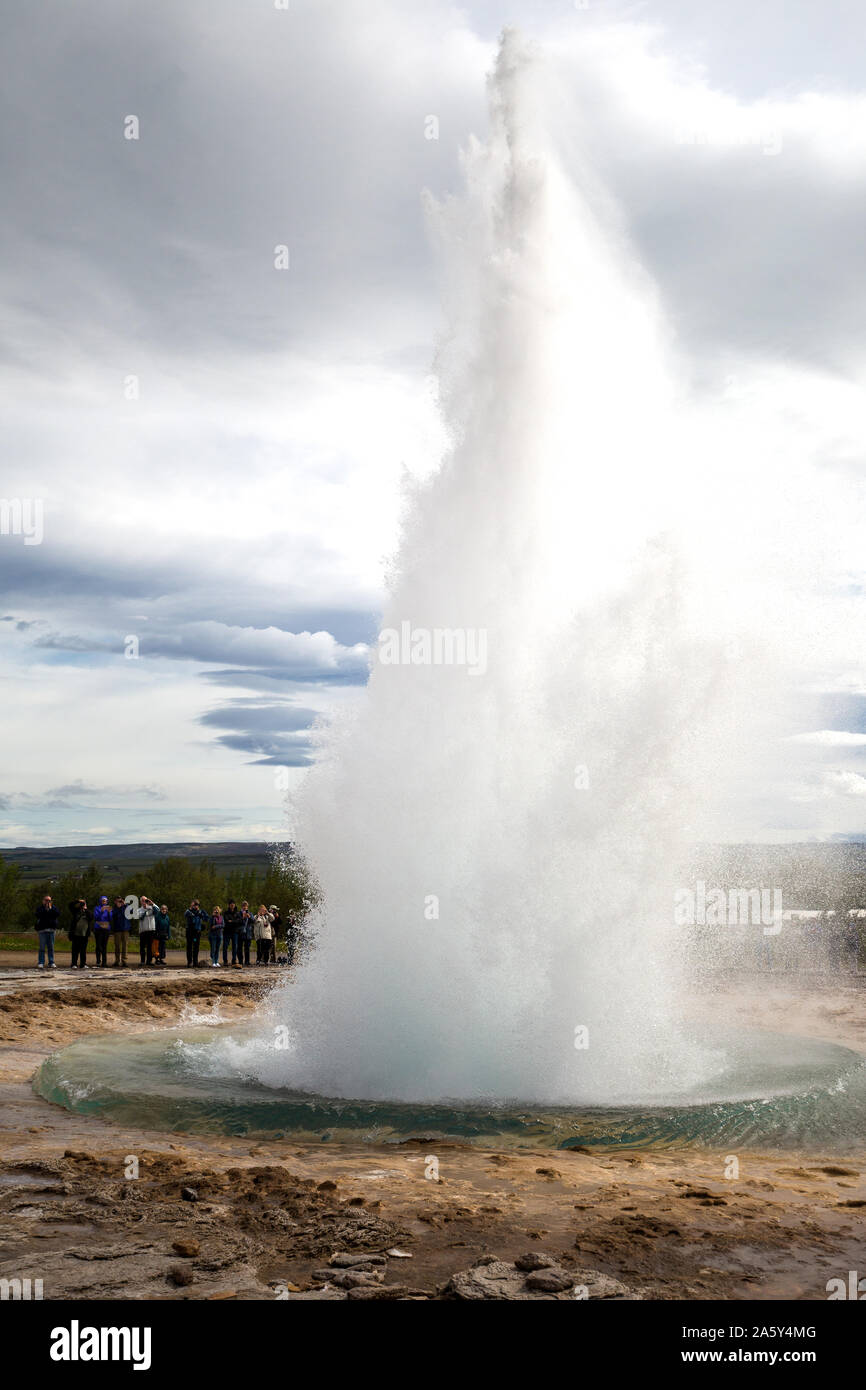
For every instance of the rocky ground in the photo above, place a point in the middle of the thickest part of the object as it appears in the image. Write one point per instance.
(226, 1218)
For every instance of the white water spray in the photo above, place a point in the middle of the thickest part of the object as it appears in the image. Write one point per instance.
(496, 845)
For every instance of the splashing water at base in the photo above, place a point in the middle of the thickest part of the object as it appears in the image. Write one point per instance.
(783, 1092)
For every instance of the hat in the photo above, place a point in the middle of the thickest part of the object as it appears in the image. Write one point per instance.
(273, 908)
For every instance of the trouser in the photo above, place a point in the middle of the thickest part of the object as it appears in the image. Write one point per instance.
(193, 939)
(230, 938)
(120, 940)
(161, 945)
(261, 950)
(215, 938)
(145, 947)
(100, 938)
(79, 951)
(290, 950)
(243, 950)
(46, 946)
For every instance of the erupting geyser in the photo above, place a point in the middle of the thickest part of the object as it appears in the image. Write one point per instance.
(495, 832)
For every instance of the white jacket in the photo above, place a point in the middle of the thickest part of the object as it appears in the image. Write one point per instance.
(146, 919)
(262, 927)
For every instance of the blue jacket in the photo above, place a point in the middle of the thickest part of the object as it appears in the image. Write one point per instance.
(119, 919)
(102, 916)
(196, 920)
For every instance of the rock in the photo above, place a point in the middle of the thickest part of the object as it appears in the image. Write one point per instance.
(327, 1186)
(188, 1248)
(399, 1254)
(179, 1276)
(381, 1291)
(492, 1279)
(600, 1285)
(357, 1278)
(549, 1280)
(548, 1173)
(534, 1260)
(343, 1260)
(498, 1279)
(188, 1194)
(313, 1294)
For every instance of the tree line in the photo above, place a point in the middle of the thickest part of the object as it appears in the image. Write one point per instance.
(174, 881)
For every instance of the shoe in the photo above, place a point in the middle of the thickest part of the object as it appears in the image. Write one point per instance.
(52, 966)
(40, 966)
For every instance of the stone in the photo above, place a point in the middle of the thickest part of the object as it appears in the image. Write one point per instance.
(187, 1248)
(549, 1280)
(357, 1278)
(179, 1276)
(534, 1259)
(315, 1294)
(189, 1194)
(343, 1260)
(381, 1291)
(498, 1279)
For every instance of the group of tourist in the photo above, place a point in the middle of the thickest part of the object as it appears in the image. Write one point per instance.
(234, 929)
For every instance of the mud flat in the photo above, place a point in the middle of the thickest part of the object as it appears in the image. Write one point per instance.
(219, 1217)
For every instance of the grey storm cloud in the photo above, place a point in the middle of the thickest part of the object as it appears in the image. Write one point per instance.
(244, 714)
(273, 750)
(275, 733)
(274, 682)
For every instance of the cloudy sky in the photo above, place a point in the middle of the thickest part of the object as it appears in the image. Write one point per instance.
(219, 443)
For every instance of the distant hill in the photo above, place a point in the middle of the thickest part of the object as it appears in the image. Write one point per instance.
(119, 861)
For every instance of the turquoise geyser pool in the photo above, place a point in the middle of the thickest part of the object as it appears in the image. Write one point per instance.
(771, 1091)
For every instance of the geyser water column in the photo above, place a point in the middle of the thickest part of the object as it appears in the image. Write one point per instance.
(495, 838)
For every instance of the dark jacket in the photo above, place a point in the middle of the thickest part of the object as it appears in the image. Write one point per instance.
(47, 918)
(232, 920)
(163, 925)
(245, 930)
(119, 919)
(79, 924)
(195, 920)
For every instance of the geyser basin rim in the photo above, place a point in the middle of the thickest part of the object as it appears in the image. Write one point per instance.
(191, 1080)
